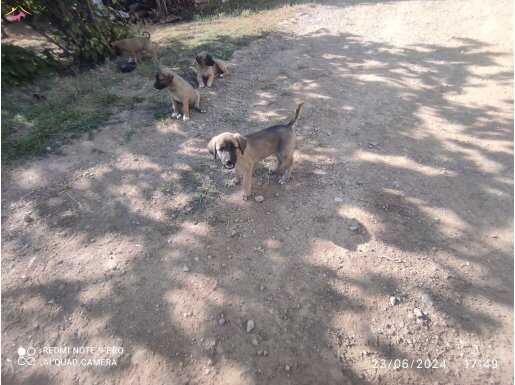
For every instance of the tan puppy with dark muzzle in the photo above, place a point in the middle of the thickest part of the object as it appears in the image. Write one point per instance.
(137, 46)
(181, 92)
(208, 68)
(243, 152)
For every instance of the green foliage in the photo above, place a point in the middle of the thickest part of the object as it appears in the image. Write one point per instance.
(83, 31)
(20, 65)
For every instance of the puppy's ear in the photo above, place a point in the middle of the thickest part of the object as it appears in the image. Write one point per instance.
(241, 142)
(209, 60)
(211, 146)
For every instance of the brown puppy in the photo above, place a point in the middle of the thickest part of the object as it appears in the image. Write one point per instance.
(181, 92)
(208, 68)
(136, 46)
(242, 152)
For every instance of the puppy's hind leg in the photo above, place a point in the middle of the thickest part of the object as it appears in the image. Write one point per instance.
(186, 108)
(284, 168)
(196, 105)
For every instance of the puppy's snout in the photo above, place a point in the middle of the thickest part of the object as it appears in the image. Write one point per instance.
(229, 164)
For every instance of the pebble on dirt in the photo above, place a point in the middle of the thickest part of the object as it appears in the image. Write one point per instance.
(185, 269)
(28, 219)
(259, 198)
(354, 227)
(250, 325)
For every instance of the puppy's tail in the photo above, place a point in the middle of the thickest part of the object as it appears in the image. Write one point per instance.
(292, 122)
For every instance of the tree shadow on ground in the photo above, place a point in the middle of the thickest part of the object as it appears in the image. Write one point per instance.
(165, 295)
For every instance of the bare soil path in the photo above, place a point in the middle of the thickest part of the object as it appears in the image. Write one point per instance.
(403, 186)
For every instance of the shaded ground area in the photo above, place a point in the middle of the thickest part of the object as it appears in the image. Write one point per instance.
(402, 187)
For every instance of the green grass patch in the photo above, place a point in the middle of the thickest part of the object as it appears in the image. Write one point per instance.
(65, 109)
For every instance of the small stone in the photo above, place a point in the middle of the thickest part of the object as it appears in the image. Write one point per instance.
(209, 257)
(287, 368)
(265, 353)
(259, 198)
(394, 300)
(255, 341)
(354, 227)
(234, 233)
(338, 200)
(261, 288)
(28, 219)
(250, 325)
(221, 321)
(196, 259)
(185, 269)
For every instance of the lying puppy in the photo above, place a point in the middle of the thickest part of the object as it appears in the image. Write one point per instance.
(243, 152)
(208, 68)
(126, 65)
(136, 46)
(181, 92)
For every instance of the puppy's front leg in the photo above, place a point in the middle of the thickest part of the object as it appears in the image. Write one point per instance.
(176, 114)
(136, 56)
(186, 108)
(247, 182)
(200, 79)
(210, 78)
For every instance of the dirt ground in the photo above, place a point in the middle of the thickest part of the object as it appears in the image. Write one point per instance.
(403, 188)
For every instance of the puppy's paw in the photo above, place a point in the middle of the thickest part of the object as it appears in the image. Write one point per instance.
(284, 179)
(201, 86)
(185, 117)
(232, 182)
(246, 197)
(174, 115)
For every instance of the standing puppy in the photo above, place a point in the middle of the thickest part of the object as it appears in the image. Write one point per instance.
(136, 46)
(181, 92)
(242, 152)
(208, 68)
